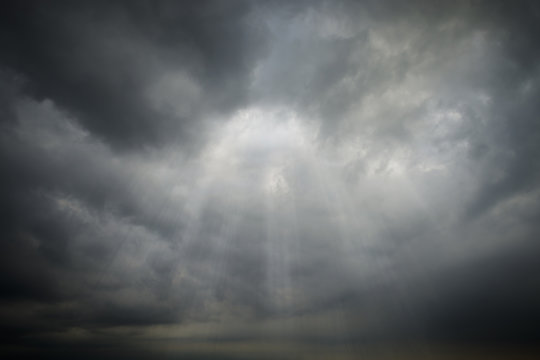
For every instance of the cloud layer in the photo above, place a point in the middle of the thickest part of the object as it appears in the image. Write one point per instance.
(242, 179)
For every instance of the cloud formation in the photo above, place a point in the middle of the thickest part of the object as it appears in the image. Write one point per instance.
(249, 179)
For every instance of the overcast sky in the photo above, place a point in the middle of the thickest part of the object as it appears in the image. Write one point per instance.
(268, 178)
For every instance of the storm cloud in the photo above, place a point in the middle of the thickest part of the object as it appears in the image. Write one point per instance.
(248, 179)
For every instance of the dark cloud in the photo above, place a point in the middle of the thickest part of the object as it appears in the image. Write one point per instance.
(104, 62)
(249, 179)
(490, 301)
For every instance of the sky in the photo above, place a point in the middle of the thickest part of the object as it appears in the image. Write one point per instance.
(269, 179)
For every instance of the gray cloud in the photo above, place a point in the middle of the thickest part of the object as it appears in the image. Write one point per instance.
(241, 179)
(134, 74)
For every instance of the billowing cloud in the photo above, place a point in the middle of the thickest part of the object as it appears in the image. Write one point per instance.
(249, 179)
